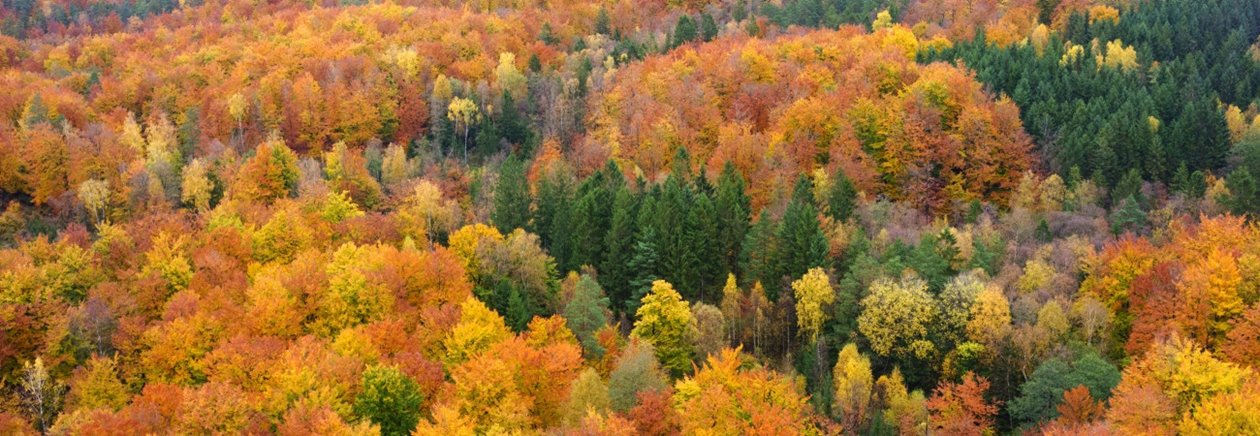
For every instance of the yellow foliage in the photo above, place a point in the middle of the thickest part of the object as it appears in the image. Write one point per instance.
(465, 241)
(479, 328)
(1103, 13)
(665, 321)
(853, 383)
(813, 296)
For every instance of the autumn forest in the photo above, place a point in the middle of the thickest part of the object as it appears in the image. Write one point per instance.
(624, 217)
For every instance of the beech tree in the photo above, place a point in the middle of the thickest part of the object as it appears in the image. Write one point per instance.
(665, 321)
(389, 399)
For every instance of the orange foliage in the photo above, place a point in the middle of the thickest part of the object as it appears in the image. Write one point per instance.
(960, 408)
(840, 99)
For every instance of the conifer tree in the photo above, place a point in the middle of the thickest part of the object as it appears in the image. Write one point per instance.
(511, 197)
(801, 242)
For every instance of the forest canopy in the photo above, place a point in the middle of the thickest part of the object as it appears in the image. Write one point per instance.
(629, 217)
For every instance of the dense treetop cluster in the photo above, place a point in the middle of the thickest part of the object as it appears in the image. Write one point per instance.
(630, 217)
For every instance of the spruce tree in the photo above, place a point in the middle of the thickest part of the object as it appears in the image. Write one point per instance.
(757, 253)
(603, 24)
(708, 28)
(615, 273)
(733, 211)
(801, 242)
(676, 257)
(684, 31)
(511, 197)
(589, 222)
(585, 315)
(551, 216)
(1242, 192)
(644, 265)
(842, 197)
(703, 253)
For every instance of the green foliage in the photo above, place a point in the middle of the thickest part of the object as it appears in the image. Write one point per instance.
(585, 314)
(801, 242)
(665, 321)
(637, 371)
(389, 399)
(685, 31)
(1244, 196)
(842, 197)
(511, 197)
(1043, 392)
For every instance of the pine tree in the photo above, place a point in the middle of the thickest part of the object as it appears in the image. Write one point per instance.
(511, 197)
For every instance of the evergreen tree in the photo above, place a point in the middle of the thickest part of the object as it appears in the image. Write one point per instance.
(1243, 197)
(644, 266)
(547, 35)
(1128, 217)
(535, 64)
(592, 216)
(842, 197)
(585, 315)
(678, 261)
(1129, 187)
(615, 273)
(708, 28)
(551, 216)
(1043, 233)
(513, 126)
(801, 242)
(511, 197)
(932, 258)
(757, 253)
(703, 253)
(733, 210)
(603, 24)
(684, 31)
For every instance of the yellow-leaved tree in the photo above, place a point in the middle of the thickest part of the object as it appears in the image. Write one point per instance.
(665, 321)
(853, 382)
(813, 294)
(478, 329)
